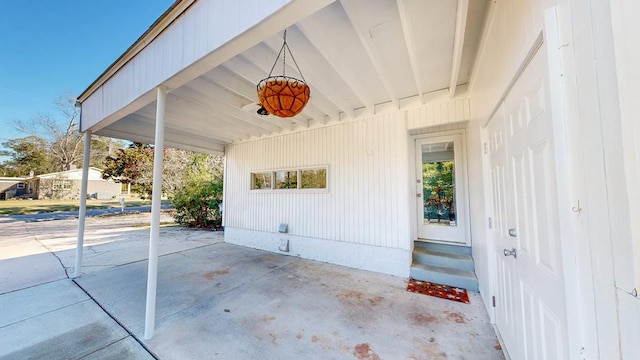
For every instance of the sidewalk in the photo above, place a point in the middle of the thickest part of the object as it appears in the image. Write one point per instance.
(217, 300)
(71, 215)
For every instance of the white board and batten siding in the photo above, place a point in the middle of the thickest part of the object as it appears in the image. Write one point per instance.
(205, 27)
(439, 113)
(625, 27)
(364, 218)
(355, 223)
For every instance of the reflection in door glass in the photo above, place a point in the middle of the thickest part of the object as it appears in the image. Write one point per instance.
(438, 181)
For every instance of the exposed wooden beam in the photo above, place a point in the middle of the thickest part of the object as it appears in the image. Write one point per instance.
(458, 44)
(354, 17)
(139, 120)
(306, 36)
(243, 123)
(410, 41)
(232, 105)
(227, 79)
(202, 122)
(130, 129)
(195, 107)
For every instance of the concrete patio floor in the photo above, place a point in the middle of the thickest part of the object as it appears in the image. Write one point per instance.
(215, 300)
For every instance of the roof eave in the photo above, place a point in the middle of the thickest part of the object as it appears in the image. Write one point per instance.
(165, 20)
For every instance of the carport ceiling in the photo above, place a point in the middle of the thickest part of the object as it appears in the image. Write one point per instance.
(357, 56)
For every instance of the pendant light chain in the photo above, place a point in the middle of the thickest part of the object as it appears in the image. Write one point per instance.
(283, 52)
(277, 57)
(294, 61)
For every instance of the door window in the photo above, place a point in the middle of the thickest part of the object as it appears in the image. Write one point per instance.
(439, 185)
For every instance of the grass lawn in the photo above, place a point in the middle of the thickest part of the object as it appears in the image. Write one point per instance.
(18, 207)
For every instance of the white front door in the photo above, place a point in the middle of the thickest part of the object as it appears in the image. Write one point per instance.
(441, 188)
(530, 301)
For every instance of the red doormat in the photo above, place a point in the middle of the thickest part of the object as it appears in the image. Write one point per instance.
(438, 290)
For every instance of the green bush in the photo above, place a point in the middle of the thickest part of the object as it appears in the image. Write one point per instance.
(197, 203)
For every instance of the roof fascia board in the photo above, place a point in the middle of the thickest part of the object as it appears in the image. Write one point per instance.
(164, 21)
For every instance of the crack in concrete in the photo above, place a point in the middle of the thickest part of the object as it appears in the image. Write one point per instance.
(52, 252)
(133, 336)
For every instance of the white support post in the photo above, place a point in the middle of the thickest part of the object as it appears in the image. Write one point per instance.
(152, 275)
(83, 203)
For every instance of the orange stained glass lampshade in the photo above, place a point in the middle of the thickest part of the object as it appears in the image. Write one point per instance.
(283, 96)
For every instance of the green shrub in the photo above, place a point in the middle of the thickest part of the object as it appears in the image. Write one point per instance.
(197, 203)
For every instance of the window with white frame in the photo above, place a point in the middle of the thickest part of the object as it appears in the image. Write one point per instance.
(290, 179)
(20, 185)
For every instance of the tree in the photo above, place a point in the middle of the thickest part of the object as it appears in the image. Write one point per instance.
(197, 200)
(101, 147)
(63, 139)
(27, 155)
(132, 165)
(175, 164)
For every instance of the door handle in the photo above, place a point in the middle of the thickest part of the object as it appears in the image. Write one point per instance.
(511, 252)
(418, 195)
(513, 232)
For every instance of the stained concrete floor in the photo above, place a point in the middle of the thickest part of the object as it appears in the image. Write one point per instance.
(215, 301)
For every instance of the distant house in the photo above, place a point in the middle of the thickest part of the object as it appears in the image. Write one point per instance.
(58, 185)
(11, 187)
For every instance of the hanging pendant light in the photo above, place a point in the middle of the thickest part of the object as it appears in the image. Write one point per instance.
(282, 95)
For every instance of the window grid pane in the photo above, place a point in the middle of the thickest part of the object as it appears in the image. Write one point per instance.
(286, 179)
(261, 181)
(313, 179)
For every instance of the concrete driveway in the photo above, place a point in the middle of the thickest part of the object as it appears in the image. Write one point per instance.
(215, 301)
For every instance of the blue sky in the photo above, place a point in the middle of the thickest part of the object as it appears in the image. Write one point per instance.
(53, 48)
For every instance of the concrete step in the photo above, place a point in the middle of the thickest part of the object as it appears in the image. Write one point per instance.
(443, 248)
(443, 259)
(445, 275)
